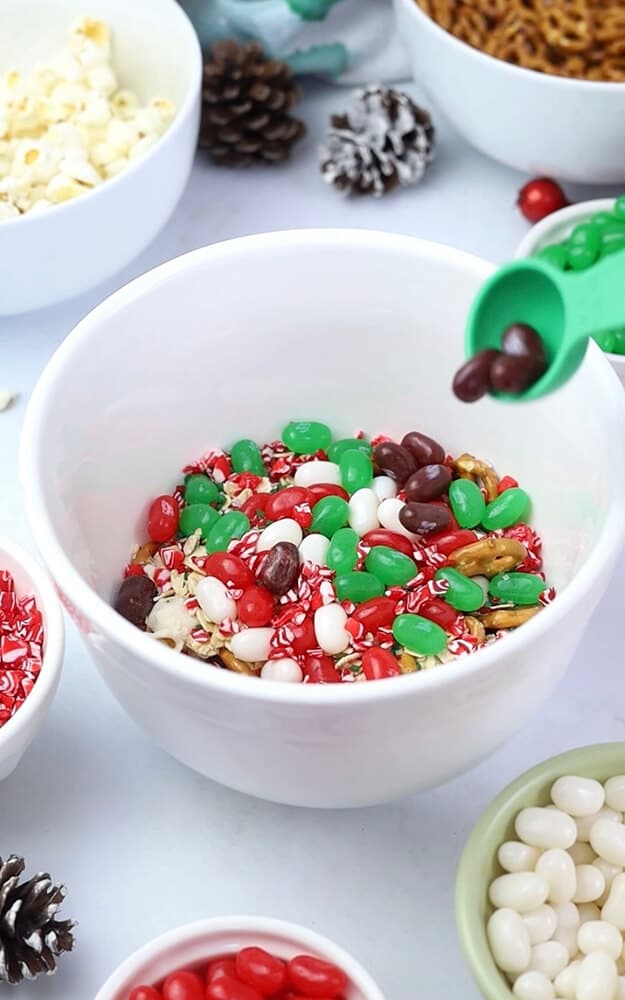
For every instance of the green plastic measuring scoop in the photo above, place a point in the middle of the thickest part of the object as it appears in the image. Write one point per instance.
(564, 307)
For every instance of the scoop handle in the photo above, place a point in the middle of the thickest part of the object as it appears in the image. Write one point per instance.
(594, 300)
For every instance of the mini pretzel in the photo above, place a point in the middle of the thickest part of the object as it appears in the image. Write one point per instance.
(469, 467)
(407, 663)
(566, 24)
(488, 557)
(144, 553)
(510, 618)
(470, 26)
(475, 628)
(238, 666)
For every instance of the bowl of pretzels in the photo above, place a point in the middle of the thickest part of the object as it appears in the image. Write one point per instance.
(537, 84)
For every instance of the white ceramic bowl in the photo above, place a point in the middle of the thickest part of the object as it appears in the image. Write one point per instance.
(557, 227)
(363, 330)
(209, 939)
(19, 732)
(525, 119)
(57, 254)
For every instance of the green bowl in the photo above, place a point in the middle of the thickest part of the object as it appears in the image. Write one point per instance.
(479, 865)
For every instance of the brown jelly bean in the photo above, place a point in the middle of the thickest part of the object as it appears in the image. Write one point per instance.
(280, 569)
(515, 373)
(394, 461)
(472, 380)
(424, 518)
(522, 340)
(425, 450)
(428, 483)
(135, 598)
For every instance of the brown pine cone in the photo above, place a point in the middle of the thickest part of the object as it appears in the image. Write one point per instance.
(246, 99)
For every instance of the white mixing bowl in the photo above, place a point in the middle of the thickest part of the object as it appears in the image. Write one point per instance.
(57, 254)
(363, 330)
(536, 122)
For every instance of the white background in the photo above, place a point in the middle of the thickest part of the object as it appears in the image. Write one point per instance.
(143, 844)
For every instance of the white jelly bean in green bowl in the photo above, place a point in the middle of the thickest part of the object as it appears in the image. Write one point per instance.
(516, 902)
(557, 228)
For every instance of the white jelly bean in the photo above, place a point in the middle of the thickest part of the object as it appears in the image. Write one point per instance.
(620, 989)
(590, 884)
(578, 796)
(620, 966)
(608, 840)
(363, 511)
(597, 977)
(214, 601)
(251, 644)
(311, 473)
(541, 827)
(584, 823)
(567, 936)
(566, 981)
(330, 631)
(513, 856)
(557, 868)
(609, 873)
(388, 515)
(614, 909)
(533, 986)
(567, 914)
(541, 923)
(599, 935)
(384, 488)
(615, 792)
(284, 530)
(582, 853)
(314, 548)
(283, 669)
(521, 891)
(550, 958)
(509, 941)
(588, 911)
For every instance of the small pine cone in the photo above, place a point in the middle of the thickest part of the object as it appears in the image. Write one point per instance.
(31, 939)
(246, 99)
(384, 141)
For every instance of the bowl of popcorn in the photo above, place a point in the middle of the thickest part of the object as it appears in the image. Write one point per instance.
(285, 543)
(99, 111)
(540, 899)
(31, 652)
(516, 79)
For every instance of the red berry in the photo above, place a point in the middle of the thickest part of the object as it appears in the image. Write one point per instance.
(255, 607)
(392, 539)
(221, 967)
(315, 978)
(378, 663)
(145, 993)
(540, 197)
(377, 612)
(163, 518)
(258, 968)
(230, 569)
(183, 985)
(439, 612)
(321, 490)
(320, 669)
(227, 988)
(282, 503)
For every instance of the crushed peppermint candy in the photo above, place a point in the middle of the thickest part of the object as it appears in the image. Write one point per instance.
(21, 646)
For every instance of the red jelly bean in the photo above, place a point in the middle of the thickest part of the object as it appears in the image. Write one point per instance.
(321, 490)
(183, 985)
(230, 569)
(378, 612)
(255, 607)
(282, 503)
(448, 541)
(221, 967)
(439, 612)
(378, 663)
(304, 637)
(392, 539)
(255, 506)
(315, 978)
(163, 518)
(320, 670)
(258, 968)
(145, 993)
(227, 988)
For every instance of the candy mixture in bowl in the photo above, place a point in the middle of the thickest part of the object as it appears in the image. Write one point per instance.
(321, 560)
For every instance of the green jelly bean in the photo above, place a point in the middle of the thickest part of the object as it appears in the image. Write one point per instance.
(198, 488)
(305, 437)
(463, 593)
(580, 257)
(338, 448)
(358, 587)
(619, 341)
(418, 635)
(517, 588)
(393, 568)
(246, 457)
(356, 470)
(619, 207)
(602, 219)
(232, 524)
(612, 245)
(554, 254)
(587, 234)
(342, 552)
(329, 514)
(612, 236)
(605, 340)
(467, 502)
(509, 507)
(197, 515)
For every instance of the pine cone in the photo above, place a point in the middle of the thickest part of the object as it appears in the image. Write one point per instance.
(246, 100)
(31, 939)
(384, 141)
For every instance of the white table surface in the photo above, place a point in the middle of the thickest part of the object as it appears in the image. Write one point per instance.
(144, 844)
